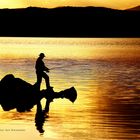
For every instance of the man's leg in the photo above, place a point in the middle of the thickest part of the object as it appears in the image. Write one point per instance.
(47, 80)
(50, 89)
(39, 80)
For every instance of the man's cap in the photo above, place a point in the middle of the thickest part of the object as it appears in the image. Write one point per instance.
(42, 54)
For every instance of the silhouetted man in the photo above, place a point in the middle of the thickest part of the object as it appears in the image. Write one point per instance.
(41, 70)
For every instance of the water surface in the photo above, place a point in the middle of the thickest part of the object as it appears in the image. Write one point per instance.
(106, 74)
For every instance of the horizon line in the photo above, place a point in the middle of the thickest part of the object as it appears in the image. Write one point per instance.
(66, 7)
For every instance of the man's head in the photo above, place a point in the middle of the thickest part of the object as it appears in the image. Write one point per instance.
(42, 55)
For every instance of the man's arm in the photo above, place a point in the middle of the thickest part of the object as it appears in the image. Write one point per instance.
(47, 69)
(44, 67)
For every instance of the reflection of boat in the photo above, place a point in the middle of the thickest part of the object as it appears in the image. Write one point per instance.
(17, 93)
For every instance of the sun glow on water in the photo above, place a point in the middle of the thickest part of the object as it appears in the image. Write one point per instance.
(105, 73)
(63, 48)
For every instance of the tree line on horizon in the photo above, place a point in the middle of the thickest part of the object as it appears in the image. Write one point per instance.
(69, 22)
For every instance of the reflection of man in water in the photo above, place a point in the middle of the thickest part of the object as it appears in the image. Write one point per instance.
(41, 70)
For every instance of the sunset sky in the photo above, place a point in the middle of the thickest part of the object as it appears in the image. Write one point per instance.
(121, 4)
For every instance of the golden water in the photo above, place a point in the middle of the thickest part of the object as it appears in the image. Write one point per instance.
(106, 74)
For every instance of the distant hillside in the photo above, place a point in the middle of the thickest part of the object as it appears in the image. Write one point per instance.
(69, 22)
(137, 8)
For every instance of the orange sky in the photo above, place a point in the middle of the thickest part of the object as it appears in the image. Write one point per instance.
(117, 4)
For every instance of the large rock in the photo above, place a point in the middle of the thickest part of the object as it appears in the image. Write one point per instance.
(19, 94)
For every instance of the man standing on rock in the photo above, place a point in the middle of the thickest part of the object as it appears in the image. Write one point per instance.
(41, 70)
